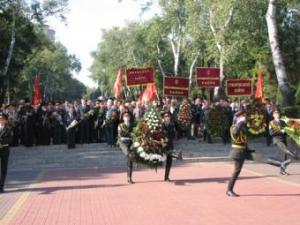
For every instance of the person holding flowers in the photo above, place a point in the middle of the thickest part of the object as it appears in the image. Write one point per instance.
(240, 151)
(277, 131)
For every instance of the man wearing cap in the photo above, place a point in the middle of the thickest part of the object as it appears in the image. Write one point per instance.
(125, 141)
(240, 151)
(170, 130)
(5, 139)
(276, 129)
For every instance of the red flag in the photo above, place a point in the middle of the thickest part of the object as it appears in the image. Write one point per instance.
(37, 93)
(149, 94)
(259, 94)
(118, 84)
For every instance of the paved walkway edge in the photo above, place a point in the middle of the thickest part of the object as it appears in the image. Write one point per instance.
(18, 204)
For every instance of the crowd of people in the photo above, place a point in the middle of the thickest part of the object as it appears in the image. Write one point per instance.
(49, 123)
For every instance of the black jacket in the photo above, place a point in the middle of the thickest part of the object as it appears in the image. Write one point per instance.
(5, 138)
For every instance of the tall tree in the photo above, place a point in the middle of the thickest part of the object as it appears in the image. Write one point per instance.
(21, 11)
(278, 61)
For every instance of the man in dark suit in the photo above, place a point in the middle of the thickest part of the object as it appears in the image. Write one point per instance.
(5, 140)
(71, 119)
(240, 151)
(28, 119)
(269, 118)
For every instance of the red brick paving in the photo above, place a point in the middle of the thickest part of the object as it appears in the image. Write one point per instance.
(195, 197)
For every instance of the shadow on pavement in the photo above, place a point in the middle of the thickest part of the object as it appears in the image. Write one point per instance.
(214, 180)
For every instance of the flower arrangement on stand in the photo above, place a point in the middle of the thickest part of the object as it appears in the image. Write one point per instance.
(293, 129)
(217, 120)
(184, 115)
(256, 122)
(149, 139)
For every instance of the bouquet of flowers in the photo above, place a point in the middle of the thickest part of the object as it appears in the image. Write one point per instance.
(72, 124)
(293, 129)
(184, 116)
(256, 118)
(217, 120)
(149, 139)
(89, 114)
(113, 117)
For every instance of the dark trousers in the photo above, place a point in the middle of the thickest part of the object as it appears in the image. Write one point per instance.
(111, 134)
(84, 131)
(238, 165)
(125, 149)
(71, 137)
(99, 134)
(168, 166)
(4, 155)
(283, 148)
(268, 136)
(207, 136)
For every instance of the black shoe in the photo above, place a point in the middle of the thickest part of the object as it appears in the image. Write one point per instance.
(284, 165)
(130, 181)
(179, 157)
(167, 179)
(232, 194)
(1, 190)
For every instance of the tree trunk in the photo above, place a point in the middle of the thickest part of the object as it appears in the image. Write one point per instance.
(278, 62)
(192, 69)
(222, 76)
(5, 73)
(159, 62)
(176, 54)
(220, 45)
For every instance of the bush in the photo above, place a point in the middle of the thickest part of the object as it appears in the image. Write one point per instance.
(297, 96)
(291, 111)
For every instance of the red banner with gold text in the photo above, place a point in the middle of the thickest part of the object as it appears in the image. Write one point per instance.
(239, 87)
(139, 76)
(208, 77)
(176, 86)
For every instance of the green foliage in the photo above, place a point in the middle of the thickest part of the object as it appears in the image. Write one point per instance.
(33, 53)
(245, 41)
(292, 111)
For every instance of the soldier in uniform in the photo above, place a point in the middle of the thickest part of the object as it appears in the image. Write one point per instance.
(124, 136)
(169, 128)
(240, 151)
(276, 129)
(5, 140)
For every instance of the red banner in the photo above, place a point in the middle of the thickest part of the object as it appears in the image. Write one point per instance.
(176, 86)
(239, 87)
(139, 76)
(208, 77)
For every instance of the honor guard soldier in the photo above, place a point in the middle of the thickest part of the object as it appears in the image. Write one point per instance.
(125, 141)
(240, 151)
(5, 139)
(276, 129)
(169, 128)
